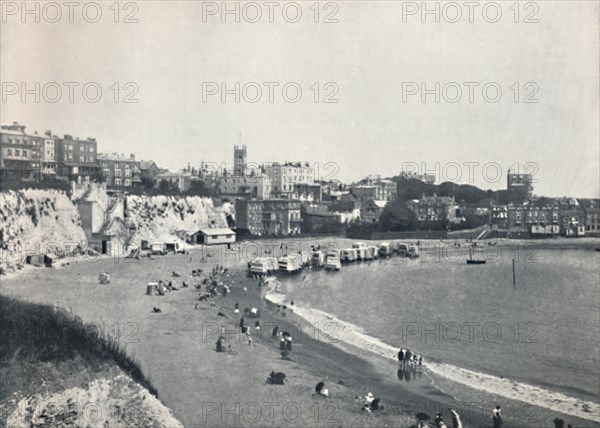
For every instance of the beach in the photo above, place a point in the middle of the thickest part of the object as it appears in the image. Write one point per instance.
(176, 348)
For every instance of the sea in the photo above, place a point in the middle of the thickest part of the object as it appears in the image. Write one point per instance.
(529, 332)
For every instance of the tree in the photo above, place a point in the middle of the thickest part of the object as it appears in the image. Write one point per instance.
(397, 217)
(166, 187)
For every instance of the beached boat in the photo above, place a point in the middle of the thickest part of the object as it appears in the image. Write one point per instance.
(401, 249)
(413, 251)
(332, 262)
(372, 252)
(290, 264)
(263, 265)
(349, 255)
(385, 249)
(317, 258)
(361, 250)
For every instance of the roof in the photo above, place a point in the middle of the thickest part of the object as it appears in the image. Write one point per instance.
(93, 165)
(147, 164)
(217, 231)
(380, 203)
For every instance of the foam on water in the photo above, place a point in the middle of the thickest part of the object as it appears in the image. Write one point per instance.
(354, 335)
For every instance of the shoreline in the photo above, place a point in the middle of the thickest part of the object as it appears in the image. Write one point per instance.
(508, 389)
(312, 360)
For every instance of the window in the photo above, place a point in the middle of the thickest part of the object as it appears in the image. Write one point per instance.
(106, 172)
(117, 181)
(104, 165)
(126, 166)
(70, 156)
(81, 158)
(24, 153)
(117, 173)
(8, 152)
(127, 182)
(17, 153)
(127, 173)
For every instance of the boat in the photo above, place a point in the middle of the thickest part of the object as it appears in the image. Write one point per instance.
(402, 249)
(361, 250)
(290, 264)
(263, 265)
(332, 262)
(317, 258)
(471, 260)
(349, 255)
(372, 252)
(385, 249)
(413, 251)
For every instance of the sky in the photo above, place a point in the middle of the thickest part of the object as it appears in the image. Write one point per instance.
(376, 62)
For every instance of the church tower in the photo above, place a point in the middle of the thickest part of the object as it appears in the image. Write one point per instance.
(239, 160)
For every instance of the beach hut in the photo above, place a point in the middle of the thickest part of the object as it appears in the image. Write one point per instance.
(214, 236)
(35, 259)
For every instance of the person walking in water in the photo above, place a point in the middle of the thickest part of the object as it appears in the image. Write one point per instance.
(401, 356)
(497, 417)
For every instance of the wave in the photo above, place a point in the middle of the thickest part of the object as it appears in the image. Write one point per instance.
(333, 329)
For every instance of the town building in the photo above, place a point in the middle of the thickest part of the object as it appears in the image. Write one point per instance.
(317, 218)
(365, 192)
(282, 217)
(49, 155)
(208, 236)
(284, 176)
(149, 171)
(255, 185)
(592, 220)
(77, 159)
(529, 218)
(572, 222)
(520, 182)
(20, 153)
(434, 209)
(248, 216)
(119, 170)
(387, 189)
(309, 192)
(372, 209)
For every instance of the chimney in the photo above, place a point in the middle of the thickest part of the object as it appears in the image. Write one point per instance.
(48, 133)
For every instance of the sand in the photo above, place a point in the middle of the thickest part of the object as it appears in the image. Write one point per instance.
(176, 349)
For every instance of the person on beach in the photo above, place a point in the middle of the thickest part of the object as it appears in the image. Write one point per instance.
(321, 390)
(401, 356)
(497, 417)
(275, 332)
(257, 327)
(408, 356)
(438, 419)
(236, 308)
(456, 422)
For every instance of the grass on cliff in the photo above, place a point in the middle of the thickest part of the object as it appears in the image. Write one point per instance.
(31, 334)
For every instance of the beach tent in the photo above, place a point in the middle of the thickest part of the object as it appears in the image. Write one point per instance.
(50, 259)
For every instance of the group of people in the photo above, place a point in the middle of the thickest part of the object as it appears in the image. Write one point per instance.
(408, 358)
(370, 403)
